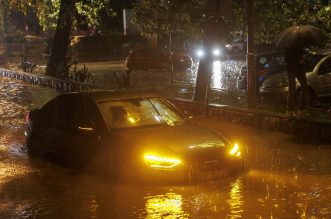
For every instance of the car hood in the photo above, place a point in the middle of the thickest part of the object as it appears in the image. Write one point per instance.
(311, 76)
(275, 83)
(179, 139)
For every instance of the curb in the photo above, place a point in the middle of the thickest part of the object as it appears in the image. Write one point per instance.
(303, 127)
(47, 81)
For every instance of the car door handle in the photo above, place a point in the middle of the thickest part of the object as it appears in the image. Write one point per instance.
(85, 128)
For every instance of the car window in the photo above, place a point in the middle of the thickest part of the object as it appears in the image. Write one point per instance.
(77, 112)
(168, 115)
(53, 112)
(138, 112)
(325, 67)
(275, 57)
(311, 60)
(263, 60)
(280, 60)
(277, 62)
(95, 116)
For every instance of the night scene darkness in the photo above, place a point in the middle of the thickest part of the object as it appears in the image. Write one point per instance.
(165, 109)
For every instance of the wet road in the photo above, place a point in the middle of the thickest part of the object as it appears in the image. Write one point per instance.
(285, 177)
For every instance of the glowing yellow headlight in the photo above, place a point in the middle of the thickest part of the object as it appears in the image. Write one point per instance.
(161, 162)
(235, 151)
(132, 120)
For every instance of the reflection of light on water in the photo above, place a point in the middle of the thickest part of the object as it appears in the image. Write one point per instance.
(9, 166)
(92, 207)
(168, 205)
(216, 75)
(236, 199)
(10, 170)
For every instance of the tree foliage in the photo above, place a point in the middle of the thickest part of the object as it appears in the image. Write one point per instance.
(165, 16)
(155, 16)
(86, 11)
(62, 15)
(289, 13)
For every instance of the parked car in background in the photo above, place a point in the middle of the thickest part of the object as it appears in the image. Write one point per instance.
(318, 68)
(266, 64)
(131, 134)
(155, 58)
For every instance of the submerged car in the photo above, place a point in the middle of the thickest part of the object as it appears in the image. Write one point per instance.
(318, 73)
(131, 134)
(155, 58)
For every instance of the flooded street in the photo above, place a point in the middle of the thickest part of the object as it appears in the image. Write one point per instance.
(284, 177)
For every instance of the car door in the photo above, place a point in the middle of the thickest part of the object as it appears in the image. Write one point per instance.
(324, 78)
(59, 125)
(84, 129)
(58, 129)
(50, 127)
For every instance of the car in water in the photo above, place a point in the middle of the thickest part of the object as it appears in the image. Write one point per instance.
(129, 134)
(156, 58)
(267, 64)
(318, 73)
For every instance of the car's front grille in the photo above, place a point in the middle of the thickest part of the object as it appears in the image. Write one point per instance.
(207, 159)
(210, 164)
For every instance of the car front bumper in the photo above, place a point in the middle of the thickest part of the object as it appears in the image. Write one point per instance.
(195, 171)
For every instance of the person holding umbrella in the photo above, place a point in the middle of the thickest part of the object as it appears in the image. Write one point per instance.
(294, 40)
(295, 69)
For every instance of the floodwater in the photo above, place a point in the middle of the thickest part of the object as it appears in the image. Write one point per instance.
(284, 177)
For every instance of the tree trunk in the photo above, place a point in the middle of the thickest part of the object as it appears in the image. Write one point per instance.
(214, 32)
(61, 38)
(203, 80)
(4, 20)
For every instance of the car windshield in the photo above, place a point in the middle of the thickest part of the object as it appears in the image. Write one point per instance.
(311, 60)
(139, 112)
(270, 60)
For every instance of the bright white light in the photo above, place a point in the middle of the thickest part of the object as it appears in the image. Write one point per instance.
(200, 53)
(216, 52)
(217, 74)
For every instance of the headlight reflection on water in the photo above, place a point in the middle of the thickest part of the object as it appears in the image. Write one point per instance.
(168, 205)
(236, 199)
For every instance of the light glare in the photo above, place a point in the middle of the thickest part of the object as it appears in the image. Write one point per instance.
(161, 162)
(235, 150)
(216, 52)
(131, 120)
(200, 53)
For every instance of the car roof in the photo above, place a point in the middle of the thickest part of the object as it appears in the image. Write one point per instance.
(272, 52)
(106, 95)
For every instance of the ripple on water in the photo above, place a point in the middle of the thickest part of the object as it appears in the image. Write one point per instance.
(17, 98)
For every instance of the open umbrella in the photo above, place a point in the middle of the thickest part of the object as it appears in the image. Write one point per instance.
(300, 36)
